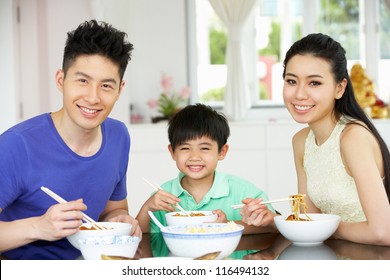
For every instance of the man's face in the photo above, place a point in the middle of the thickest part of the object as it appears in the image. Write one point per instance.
(90, 89)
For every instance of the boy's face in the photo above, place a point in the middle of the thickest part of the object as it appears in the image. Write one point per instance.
(198, 158)
(90, 89)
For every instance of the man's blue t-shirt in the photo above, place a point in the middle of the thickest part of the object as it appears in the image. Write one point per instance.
(32, 154)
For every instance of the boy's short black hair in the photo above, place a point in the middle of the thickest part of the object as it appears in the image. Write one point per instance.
(195, 121)
(92, 37)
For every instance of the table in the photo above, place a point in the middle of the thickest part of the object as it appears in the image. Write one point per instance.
(273, 246)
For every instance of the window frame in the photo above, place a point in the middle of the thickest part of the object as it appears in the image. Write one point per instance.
(368, 42)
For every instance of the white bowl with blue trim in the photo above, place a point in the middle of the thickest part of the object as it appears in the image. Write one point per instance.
(112, 228)
(115, 245)
(196, 240)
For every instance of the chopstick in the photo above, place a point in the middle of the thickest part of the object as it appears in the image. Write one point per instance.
(59, 199)
(157, 188)
(238, 206)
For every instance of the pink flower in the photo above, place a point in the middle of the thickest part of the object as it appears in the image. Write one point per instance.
(166, 83)
(185, 92)
(169, 101)
(153, 103)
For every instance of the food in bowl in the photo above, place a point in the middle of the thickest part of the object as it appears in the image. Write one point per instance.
(197, 240)
(207, 229)
(309, 232)
(298, 202)
(196, 217)
(293, 217)
(91, 227)
(192, 214)
(93, 248)
(113, 228)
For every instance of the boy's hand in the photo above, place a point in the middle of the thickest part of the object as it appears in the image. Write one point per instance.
(162, 200)
(221, 216)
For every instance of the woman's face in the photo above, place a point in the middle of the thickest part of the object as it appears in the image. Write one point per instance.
(310, 90)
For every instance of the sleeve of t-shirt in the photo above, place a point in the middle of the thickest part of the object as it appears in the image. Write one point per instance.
(13, 160)
(123, 148)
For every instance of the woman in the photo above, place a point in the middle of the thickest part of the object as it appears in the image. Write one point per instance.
(342, 163)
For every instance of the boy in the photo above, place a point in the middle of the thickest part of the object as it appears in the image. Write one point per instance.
(198, 140)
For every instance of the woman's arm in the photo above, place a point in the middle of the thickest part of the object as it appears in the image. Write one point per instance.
(363, 161)
(298, 141)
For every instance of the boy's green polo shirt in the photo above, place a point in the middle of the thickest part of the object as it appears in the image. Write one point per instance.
(226, 191)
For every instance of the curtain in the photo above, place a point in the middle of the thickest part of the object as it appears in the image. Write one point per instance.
(234, 14)
(387, 4)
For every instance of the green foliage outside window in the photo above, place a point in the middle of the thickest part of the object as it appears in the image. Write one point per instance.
(273, 47)
(384, 32)
(218, 43)
(214, 94)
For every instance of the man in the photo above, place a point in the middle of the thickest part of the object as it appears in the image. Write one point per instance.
(77, 152)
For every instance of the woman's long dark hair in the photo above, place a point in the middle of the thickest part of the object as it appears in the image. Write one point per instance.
(323, 46)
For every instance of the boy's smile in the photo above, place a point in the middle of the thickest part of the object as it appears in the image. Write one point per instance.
(198, 158)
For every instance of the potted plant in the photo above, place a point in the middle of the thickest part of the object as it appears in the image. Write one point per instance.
(169, 101)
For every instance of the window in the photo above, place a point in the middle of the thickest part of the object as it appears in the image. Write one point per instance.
(383, 82)
(274, 26)
(211, 42)
(278, 24)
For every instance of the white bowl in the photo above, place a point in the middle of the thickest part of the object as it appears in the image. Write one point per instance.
(93, 248)
(114, 228)
(196, 240)
(180, 218)
(307, 233)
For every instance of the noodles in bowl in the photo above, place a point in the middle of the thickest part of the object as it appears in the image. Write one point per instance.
(298, 202)
(306, 229)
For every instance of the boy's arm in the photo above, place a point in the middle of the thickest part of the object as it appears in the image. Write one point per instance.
(160, 200)
(144, 219)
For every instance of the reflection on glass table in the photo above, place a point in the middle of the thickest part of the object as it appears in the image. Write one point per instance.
(273, 246)
(317, 252)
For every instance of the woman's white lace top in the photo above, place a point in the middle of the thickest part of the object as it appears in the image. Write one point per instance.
(329, 186)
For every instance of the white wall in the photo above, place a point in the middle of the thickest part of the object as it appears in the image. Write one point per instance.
(8, 115)
(156, 28)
